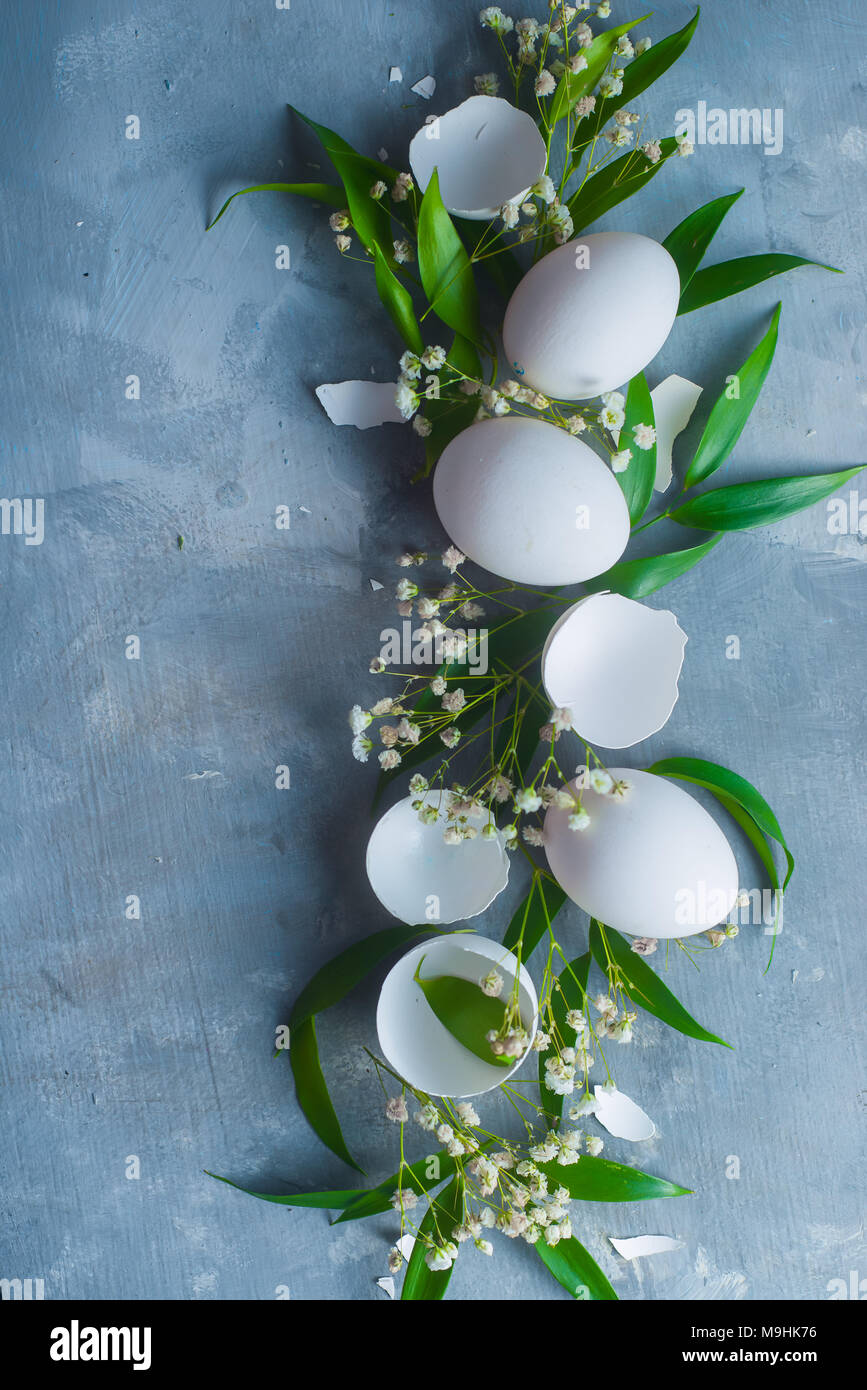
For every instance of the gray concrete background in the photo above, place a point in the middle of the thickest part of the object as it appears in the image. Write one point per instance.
(153, 1037)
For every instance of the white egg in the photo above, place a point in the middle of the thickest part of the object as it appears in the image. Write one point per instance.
(418, 878)
(411, 1036)
(615, 664)
(487, 153)
(654, 864)
(530, 502)
(574, 330)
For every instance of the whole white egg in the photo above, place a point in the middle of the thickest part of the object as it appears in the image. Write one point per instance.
(530, 502)
(591, 314)
(654, 864)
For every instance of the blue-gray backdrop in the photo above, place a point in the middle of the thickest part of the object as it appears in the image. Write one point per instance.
(153, 779)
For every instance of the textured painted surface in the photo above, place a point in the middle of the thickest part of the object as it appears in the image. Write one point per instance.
(153, 1037)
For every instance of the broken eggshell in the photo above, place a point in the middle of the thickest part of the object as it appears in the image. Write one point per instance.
(487, 153)
(653, 864)
(363, 404)
(615, 664)
(591, 314)
(674, 401)
(529, 502)
(621, 1116)
(420, 879)
(413, 1040)
(634, 1247)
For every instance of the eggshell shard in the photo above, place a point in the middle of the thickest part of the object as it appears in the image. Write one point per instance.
(634, 1247)
(674, 401)
(591, 314)
(530, 502)
(487, 153)
(654, 864)
(413, 1040)
(414, 872)
(363, 404)
(615, 664)
(621, 1116)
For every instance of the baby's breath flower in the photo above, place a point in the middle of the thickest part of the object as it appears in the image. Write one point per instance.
(487, 84)
(576, 424)
(644, 945)
(544, 188)
(452, 558)
(611, 84)
(422, 426)
(360, 748)
(684, 147)
(389, 760)
(403, 252)
(343, 243)
(434, 358)
(642, 46)
(379, 190)
(577, 63)
(584, 107)
(545, 83)
(653, 151)
(579, 820)
(406, 399)
(401, 188)
(601, 781)
(492, 17)
(644, 436)
(395, 1109)
(620, 460)
(339, 221)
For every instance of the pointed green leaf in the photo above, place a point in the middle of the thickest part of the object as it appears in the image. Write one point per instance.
(312, 1091)
(449, 418)
(599, 1180)
(571, 995)
(445, 268)
(330, 193)
(574, 1268)
(575, 85)
(444, 1213)
(398, 301)
(690, 239)
(637, 479)
(341, 974)
(530, 922)
(638, 578)
(615, 182)
(731, 277)
(465, 1011)
(743, 505)
(370, 217)
(728, 417)
(643, 986)
(415, 1176)
(329, 1201)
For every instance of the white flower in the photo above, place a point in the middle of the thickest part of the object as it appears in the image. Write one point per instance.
(438, 685)
(402, 186)
(618, 136)
(509, 214)
(604, 1005)
(427, 1117)
(579, 820)
(611, 85)
(584, 107)
(359, 719)
(533, 836)
(642, 46)
(492, 984)
(434, 358)
(492, 17)
(527, 800)
(467, 1113)
(445, 1134)
(544, 85)
(577, 63)
(644, 435)
(559, 1077)
(684, 146)
(410, 366)
(587, 1105)
(611, 416)
(406, 400)
(576, 424)
(378, 190)
(405, 589)
(403, 252)
(544, 189)
(404, 1199)
(454, 700)
(396, 1110)
(653, 151)
(624, 47)
(339, 221)
(395, 1260)
(422, 426)
(343, 243)
(594, 1145)
(441, 1256)
(487, 84)
(620, 460)
(584, 35)
(601, 781)
(644, 945)
(389, 760)
(604, 9)
(452, 558)
(561, 719)
(360, 748)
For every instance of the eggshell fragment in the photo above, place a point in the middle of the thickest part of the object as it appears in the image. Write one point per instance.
(654, 864)
(487, 153)
(420, 879)
(591, 314)
(360, 403)
(621, 1116)
(634, 1247)
(615, 664)
(674, 401)
(411, 1037)
(530, 502)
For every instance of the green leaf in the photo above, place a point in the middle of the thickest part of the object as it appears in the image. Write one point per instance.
(642, 72)
(341, 974)
(638, 578)
(575, 85)
(571, 995)
(599, 1180)
(731, 277)
(312, 1092)
(728, 787)
(743, 505)
(530, 922)
(331, 193)
(643, 985)
(637, 479)
(690, 239)
(370, 218)
(330, 1201)
(378, 1199)
(465, 1011)
(574, 1268)
(444, 1213)
(728, 417)
(615, 182)
(398, 301)
(444, 266)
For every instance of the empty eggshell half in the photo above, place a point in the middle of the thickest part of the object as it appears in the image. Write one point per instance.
(414, 872)
(615, 664)
(411, 1036)
(621, 1116)
(591, 314)
(653, 864)
(487, 153)
(530, 502)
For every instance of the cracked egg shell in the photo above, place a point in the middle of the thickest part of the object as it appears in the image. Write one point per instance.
(487, 153)
(574, 331)
(529, 502)
(654, 864)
